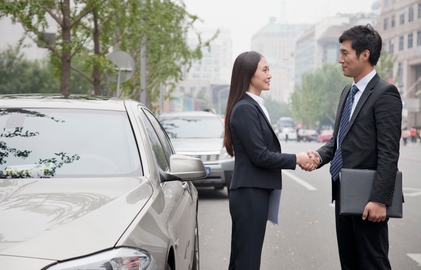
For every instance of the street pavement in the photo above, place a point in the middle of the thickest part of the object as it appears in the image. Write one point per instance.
(305, 237)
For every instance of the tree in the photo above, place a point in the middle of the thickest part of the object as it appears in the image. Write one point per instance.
(164, 33)
(19, 75)
(89, 28)
(34, 16)
(108, 23)
(385, 65)
(318, 96)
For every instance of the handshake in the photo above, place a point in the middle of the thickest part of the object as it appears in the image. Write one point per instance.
(308, 161)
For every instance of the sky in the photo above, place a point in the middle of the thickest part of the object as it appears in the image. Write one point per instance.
(246, 17)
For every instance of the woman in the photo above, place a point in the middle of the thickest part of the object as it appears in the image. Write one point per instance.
(258, 159)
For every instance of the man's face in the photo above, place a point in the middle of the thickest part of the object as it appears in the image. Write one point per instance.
(352, 66)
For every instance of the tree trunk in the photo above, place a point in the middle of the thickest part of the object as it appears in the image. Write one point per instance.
(66, 54)
(96, 72)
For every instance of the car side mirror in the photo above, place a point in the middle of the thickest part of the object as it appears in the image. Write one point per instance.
(184, 168)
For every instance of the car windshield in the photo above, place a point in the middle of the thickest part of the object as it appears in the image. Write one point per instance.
(193, 127)
(45, 143)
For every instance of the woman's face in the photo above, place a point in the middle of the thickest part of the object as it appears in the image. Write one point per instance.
(261, 78)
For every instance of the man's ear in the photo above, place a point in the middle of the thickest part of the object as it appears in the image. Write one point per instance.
(365, 54)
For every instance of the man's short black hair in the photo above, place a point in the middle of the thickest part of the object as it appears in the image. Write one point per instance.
(364, 38)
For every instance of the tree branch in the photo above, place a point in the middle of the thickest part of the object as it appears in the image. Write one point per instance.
(28, 31)
(80, 16)
(58, 20)
(82, 74)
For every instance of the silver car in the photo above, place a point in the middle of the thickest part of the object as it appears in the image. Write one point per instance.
(200, 134)
(90, 183)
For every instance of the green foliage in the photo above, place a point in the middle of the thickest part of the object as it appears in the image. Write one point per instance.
(79, 84)
(90, 29)
(35, 16)
(275, 109)
(162, 26)
(19, 75)
(316, 100)
(385, 65)
(318, 96)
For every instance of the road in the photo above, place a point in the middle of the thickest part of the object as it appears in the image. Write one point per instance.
(305, 238)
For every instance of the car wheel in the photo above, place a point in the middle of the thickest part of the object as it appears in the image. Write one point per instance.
(196, 261)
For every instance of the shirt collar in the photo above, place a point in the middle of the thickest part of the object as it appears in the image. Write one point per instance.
(257, 98)
(362, 84)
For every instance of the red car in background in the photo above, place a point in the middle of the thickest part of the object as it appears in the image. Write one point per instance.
(325, 135)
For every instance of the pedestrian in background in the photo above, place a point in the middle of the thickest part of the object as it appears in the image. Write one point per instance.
(257, 178)
(413, 134)
(405, 135)
(419, 134)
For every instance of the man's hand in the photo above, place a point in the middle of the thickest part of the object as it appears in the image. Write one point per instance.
(306, 161)
(315, 158)
(374, 212)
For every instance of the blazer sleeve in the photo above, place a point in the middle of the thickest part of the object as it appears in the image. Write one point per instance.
(388, 118)
(257, 138)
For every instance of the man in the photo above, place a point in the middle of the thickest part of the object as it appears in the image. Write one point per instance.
(366, 136)
(413, 134)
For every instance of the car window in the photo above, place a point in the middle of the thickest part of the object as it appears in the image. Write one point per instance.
(162, 134)
(161, 156)
(193, 127)
(39, 143)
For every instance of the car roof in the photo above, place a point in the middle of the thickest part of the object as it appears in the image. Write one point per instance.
(61, 101)
(187, 113)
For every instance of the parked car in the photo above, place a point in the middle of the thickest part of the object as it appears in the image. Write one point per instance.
(325, 135)
(287, 133)
(307, 135)
(200, 134)
(93, 183)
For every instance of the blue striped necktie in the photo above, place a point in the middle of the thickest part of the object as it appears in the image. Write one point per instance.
(336, 163)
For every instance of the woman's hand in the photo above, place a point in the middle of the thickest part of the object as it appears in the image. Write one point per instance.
(308, 161)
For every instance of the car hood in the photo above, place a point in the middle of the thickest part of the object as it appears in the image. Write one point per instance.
(56, 219)
(197, 145)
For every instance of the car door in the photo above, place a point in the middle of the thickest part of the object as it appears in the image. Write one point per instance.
(180, 197)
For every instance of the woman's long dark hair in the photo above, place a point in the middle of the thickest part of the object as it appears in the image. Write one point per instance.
(245, 65)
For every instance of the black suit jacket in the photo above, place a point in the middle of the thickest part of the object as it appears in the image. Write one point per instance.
(372, 138)
(258, 157)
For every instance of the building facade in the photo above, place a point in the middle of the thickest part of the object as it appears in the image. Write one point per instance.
(400, 28)
(13, 33)
(200, 86)
(319, 43)
(276, 42)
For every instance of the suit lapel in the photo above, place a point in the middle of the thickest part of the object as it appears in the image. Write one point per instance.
(254, 102)
(367, 92)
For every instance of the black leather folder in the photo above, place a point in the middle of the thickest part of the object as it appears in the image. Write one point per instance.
(356, 185)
